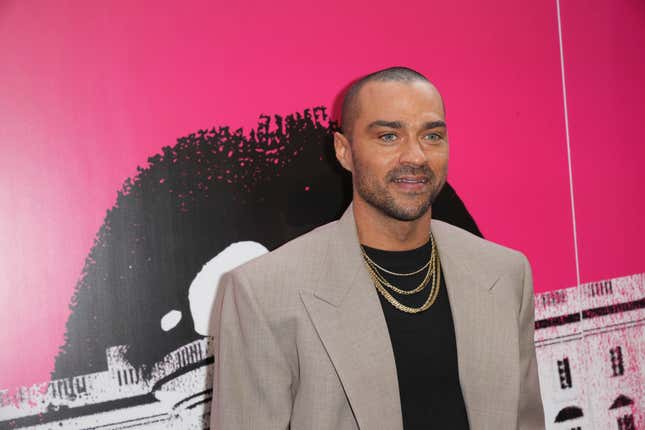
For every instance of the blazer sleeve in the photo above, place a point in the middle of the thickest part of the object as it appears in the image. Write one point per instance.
(531, 412)
(252, 379)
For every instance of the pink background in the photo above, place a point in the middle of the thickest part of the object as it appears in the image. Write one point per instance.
(89, 90)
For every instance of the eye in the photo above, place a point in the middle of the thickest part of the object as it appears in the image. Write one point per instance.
(388, 137)
(433, 137)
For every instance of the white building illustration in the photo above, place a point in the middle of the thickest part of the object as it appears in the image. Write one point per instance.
(590, 343)
(176, 395)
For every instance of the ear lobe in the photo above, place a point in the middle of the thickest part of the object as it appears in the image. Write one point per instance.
(343, 151)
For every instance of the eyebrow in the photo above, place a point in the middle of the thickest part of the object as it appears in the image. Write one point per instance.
(383, 123)
(399, 124)
(434, 124)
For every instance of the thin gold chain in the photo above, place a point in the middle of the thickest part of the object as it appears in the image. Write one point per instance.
(383, 269)
(434, 290)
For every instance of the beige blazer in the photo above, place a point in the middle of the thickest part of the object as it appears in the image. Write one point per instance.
(301, 341)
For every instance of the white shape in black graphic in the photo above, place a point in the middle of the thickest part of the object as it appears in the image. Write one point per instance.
(203, 288)
(170, 320)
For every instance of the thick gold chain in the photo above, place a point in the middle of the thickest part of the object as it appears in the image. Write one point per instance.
(434, 269)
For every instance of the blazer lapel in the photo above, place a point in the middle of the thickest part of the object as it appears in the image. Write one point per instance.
(348, 317)
(472, 304)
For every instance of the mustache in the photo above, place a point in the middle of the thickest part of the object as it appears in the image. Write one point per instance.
(398, 172)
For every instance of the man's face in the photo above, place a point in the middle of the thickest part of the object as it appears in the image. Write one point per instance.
(398, 150)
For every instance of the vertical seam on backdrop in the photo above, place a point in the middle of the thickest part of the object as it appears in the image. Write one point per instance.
(566, 127)
(573, 208)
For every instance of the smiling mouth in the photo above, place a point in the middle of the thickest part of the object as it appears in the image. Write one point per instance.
(422, 180)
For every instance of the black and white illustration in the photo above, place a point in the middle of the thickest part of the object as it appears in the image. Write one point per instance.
(137, 348)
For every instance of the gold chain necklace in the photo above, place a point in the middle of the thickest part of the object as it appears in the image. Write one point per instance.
(383, 269)
(434, 291)
(435, 269)
(420, 287)
(372, 267)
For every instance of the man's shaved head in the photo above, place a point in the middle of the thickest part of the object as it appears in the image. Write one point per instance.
(351, 106)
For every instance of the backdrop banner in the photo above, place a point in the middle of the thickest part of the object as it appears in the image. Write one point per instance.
(213, 124)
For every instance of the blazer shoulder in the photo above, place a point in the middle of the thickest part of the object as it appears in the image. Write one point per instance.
(469, 245)
(295, 262)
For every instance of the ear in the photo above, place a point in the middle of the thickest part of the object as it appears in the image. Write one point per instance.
(343, 151)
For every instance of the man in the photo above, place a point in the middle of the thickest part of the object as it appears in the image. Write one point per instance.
(384, 319)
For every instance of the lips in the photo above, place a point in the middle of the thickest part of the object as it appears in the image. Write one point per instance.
(411, 180)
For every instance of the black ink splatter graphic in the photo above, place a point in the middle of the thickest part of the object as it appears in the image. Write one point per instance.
(211, 189)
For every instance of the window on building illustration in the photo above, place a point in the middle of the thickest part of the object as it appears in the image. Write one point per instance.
(564, 372)
(626, 422)
(617, 361)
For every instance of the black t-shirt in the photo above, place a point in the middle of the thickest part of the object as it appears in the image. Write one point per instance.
(424, 346)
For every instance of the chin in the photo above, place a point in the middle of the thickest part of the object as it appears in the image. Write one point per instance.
(407, 214)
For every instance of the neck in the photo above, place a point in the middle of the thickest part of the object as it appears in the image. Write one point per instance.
(378, 230)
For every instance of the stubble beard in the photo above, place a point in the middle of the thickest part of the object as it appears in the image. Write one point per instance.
(379, 197)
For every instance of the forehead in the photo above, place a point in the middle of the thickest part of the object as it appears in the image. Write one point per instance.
(392, 100)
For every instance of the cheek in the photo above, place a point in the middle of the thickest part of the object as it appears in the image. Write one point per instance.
(439, 163)
(375, 163)
(439, 156)
(370, 164)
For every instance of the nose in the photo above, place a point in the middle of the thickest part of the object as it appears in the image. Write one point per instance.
(412, 153)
